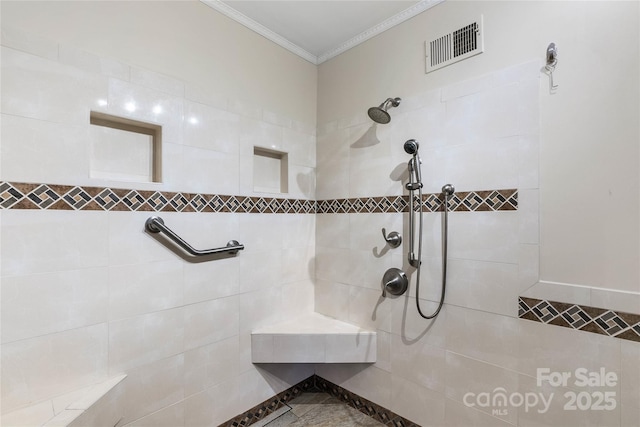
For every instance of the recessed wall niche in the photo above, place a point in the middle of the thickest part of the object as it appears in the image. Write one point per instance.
(270, 171)
(123, 149)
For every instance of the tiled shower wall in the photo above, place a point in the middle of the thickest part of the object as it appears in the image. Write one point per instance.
(481, 134)
(88, 295)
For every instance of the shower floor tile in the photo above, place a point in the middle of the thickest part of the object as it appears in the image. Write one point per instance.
(321, 410)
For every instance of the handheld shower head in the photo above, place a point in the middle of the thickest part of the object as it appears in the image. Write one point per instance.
(415, 176)
(411, 147)
(379, 114)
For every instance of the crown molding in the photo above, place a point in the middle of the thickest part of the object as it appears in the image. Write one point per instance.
(230, 12)
(406, 14)
(379, 28)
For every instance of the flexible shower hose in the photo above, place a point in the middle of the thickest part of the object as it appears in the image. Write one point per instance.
(445, 225)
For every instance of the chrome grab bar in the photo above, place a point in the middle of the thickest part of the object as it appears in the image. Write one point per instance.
(155, 224)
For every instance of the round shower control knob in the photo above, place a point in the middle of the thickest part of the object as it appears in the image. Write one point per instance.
(395, 282)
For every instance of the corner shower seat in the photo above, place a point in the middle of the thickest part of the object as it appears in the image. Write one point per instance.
(313, 338)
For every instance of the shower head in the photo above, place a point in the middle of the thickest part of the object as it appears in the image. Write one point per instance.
(379, 114)
(411, 147)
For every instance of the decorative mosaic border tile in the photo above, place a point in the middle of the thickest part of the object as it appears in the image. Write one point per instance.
(463, 201)
(15, 195)
(318, 385)
(64, 197)
(601, 321)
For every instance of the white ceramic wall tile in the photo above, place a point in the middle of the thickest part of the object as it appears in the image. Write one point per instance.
(260, 232)
(628, 302)
(260, 270)
(365, 231)
(298, 298)
(144, 288)
(256, 133)
(301, 147)
(42, 89)
(333, 264)
(153, 386)
(486, 286)
(136, 341)
(64, 419)
(331, 299)
(170, 416)
(81, 359)
(529, 162)
(468, 376)
(528, 108)
(384, 350)
(629, 374)
(302, 182)
(211, 280)
(244, 109)
(222, 400)
(556, 413)
(205, 95)
(364, 380)
(528, 211)
(298, 230)
(43, 151)
(457, 414)
(367, 269)
(331, 230)
(564, 350)
(210, 172)
(367, 309)
(148, 105)
(157, 81)
(276, 119)
(210, 321)
(482, 164)
(57, 241)
(419, 404)
(93, 63)
(407, 324)
(129, 242)
(419, 362)
(332, 147)
(172, 168)
(482, 236)
(331, 178)
(104, 406)
(560, 292)
(30, 416)
(302, 348)
(528, 266)
(211, 128)
(17, 39)
(349, 348)
(211, 364)
(47, 303)
(468, 87)
(298, 264)
(257, 309)
(488, 337)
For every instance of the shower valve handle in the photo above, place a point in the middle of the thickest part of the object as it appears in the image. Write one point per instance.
(394, 239)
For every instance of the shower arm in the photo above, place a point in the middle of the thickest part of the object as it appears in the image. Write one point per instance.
(156, 225)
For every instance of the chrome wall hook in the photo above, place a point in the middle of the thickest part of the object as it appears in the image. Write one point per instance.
(394, 239)
(552, 61)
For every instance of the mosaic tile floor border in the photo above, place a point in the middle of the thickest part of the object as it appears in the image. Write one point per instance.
(601, 321)
(16, 195)
(317, 384)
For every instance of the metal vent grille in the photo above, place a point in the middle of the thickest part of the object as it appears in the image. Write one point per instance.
(462, 43)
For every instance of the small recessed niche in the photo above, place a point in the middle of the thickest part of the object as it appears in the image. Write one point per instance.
(123, 149)
(270, 171)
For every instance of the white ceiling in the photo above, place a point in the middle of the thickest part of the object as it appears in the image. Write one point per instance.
(319, 30)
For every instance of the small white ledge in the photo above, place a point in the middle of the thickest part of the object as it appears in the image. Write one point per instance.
(313, 338)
